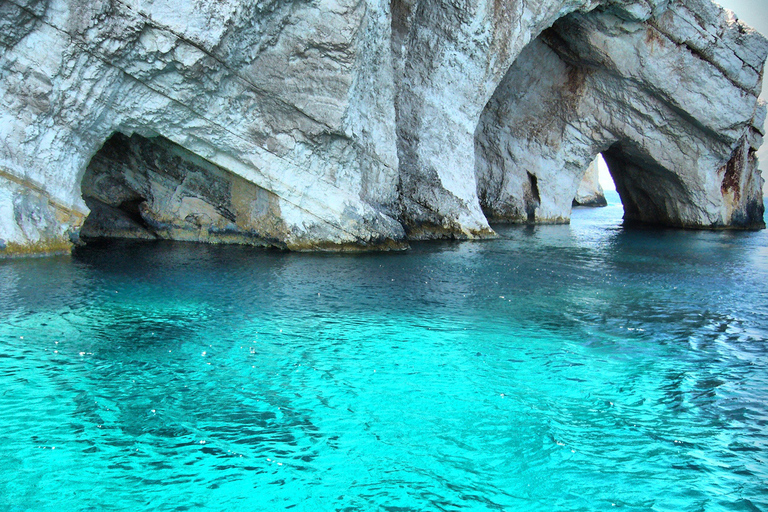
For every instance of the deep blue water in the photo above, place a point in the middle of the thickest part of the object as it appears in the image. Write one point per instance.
(558, 368)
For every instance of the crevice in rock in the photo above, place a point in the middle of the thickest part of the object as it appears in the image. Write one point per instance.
(533, 200)
(132, 210)
(732, 171)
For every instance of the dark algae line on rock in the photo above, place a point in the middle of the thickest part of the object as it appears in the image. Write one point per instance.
(392, 122)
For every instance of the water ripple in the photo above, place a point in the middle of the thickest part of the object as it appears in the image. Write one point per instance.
(578, 367)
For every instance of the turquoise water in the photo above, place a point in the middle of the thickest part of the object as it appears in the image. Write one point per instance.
(558, 368)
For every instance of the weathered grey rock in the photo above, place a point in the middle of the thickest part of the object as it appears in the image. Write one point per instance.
(31, 221)
(590, 192)
(347, 125)
(294, 97)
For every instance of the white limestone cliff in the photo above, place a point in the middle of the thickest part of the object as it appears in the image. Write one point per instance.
(340, 125)
(294, 97)
(680, 147)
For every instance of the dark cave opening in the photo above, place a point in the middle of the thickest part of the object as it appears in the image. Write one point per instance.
(151, 188)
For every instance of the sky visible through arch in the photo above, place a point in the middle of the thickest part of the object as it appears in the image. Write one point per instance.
(755, 14)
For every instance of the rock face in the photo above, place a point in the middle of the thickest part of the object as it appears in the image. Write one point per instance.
(342, 125)
(294, 97)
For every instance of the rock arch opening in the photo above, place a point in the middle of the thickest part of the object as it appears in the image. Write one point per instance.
(150, 188)
(591, 192)
(598, 84)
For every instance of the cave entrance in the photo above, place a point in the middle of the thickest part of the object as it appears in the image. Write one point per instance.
(565, 101)
(149, 188)
(540, 137)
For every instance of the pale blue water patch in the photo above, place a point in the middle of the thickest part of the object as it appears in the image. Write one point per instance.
(581, 367)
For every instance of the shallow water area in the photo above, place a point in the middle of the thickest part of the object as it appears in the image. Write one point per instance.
(565, 368)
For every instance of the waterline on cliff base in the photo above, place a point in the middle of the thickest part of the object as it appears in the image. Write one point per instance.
(563, 367)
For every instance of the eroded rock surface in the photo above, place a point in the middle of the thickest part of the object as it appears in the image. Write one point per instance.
(363, 124)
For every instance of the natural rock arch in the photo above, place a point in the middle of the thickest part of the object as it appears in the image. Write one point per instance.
(212, 78)
(597, 83)
(590, 192)
(449, 58)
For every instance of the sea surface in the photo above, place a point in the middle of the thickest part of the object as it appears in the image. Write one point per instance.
(558, 368)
